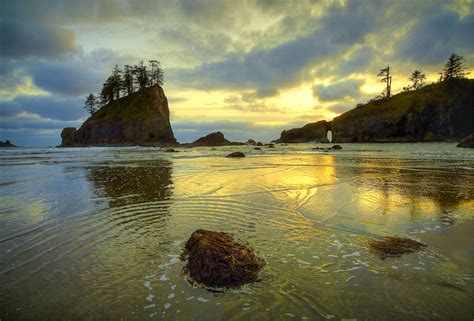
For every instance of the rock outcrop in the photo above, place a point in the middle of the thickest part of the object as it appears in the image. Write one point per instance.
(251, 142)
(141, 118)
(308, 133)
(216, 261)
(467, 142)
(67, 136)
(438, 112)
(236, 155)
(213, 139)
(6, 143)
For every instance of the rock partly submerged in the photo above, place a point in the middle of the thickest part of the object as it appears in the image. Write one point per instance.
(216, 261)
(467, 142)
(236, 155)
(212, 139)
(6, 143)
(251, 142)
(394, 246)
(141, 118)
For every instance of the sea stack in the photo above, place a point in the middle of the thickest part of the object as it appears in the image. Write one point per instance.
(141, 118)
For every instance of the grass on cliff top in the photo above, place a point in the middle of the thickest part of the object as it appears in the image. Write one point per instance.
(134, 106)
(408, 102)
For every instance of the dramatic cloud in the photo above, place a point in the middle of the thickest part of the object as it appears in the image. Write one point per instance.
(287, 63)
(263, 64)
(436, 36)
(22, 39)
(58, 108)
(338, 90)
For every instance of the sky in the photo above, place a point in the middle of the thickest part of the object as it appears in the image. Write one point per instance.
(247, 68)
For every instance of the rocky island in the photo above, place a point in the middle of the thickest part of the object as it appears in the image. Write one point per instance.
(141, 118)
(6, 143)
(212, 140)
(439, 112)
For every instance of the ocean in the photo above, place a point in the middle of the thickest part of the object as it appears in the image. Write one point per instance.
(96, 233)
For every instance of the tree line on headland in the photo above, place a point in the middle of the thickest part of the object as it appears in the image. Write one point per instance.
(454, 68)
(124, 82)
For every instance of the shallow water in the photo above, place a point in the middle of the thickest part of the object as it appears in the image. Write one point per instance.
(95, 233)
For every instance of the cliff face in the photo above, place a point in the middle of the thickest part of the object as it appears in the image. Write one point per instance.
(308, 133)
(141, 118)
(438, 112)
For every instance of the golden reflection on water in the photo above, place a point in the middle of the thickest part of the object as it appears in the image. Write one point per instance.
(310, 215)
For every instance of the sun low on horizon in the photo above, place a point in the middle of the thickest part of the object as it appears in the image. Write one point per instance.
(247, 68)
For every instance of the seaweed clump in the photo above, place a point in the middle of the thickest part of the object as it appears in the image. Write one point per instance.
(215, 260)
(394, 246)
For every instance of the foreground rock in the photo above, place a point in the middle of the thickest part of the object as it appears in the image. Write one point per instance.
(213, 139)
(216, 261)
(467, 142)
(6, 143)
(236, 154)
(141, 118)
(394, 246)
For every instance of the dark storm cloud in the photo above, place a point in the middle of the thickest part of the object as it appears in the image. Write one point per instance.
(338, 90)
(22, 39)
(66, 78)
(56, 108)
(436, 36)
(287, 63)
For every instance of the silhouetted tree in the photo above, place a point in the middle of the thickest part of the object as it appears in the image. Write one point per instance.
(386, 78)
(116, 81)
(141, 75)
(127, 82)
(417, 77)
(156, 73)
(454, 68)
(91, 104)
(107, 93)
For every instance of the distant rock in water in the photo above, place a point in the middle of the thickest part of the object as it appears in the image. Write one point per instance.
(251, 142)
(259, 144)
(216, 261)
(213, 139)
(439, 112)
(236, 154)
(6, 143)
(141, 118)
(308, 133)
(336, 147)
(467, 142)
(67, 136)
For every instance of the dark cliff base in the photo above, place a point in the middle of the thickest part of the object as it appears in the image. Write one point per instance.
(141, 118)
(435, 113)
